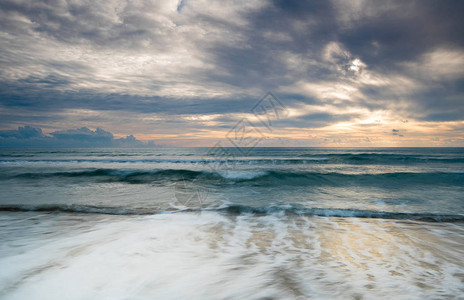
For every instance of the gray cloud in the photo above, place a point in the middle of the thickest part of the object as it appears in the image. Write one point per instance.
(396, 132)
(176, 58)
(83, 134)
(26, 132)
(80, 137)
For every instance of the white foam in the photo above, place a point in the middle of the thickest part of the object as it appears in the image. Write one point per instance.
(213, 256)
(241, 175)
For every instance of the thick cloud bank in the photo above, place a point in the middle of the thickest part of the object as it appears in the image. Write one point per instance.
(81, 137)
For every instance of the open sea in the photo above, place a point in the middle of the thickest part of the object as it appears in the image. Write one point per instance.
(228, 223)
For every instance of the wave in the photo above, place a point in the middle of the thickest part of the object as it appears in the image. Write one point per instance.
(343, 213)
(265, 178)
(396, 179)
(341, 158)
(87, 209)
(127, 176)
(386, 158)
(242, 209)
(202, 161)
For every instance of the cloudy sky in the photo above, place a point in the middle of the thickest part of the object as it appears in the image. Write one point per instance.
(183, 73)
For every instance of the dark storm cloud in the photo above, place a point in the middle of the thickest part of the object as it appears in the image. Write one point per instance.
(281, 28)
(382, 33)
(399, 31)
(55, 101)
(192, 57)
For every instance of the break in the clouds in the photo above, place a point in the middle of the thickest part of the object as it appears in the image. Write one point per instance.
(184, 72)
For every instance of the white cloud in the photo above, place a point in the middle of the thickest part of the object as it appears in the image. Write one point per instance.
(139, 47)
(440, 64)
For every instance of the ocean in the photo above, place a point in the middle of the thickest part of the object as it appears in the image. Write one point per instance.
(230, 223)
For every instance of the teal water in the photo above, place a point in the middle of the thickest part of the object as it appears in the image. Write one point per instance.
(202, 223)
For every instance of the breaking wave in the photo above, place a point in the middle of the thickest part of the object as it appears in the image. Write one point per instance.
(251, 177)
(242, 209)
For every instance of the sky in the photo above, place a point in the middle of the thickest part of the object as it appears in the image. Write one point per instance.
(193, 72)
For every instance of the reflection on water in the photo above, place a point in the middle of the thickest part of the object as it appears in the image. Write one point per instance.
(219, 256)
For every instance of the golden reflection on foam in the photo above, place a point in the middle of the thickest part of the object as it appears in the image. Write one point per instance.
(368, 250)
(391, 249)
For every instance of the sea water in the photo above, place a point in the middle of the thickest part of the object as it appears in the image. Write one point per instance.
(203, 223)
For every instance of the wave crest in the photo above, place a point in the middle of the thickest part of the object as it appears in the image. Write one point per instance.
(252, 177)
(242, 209)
